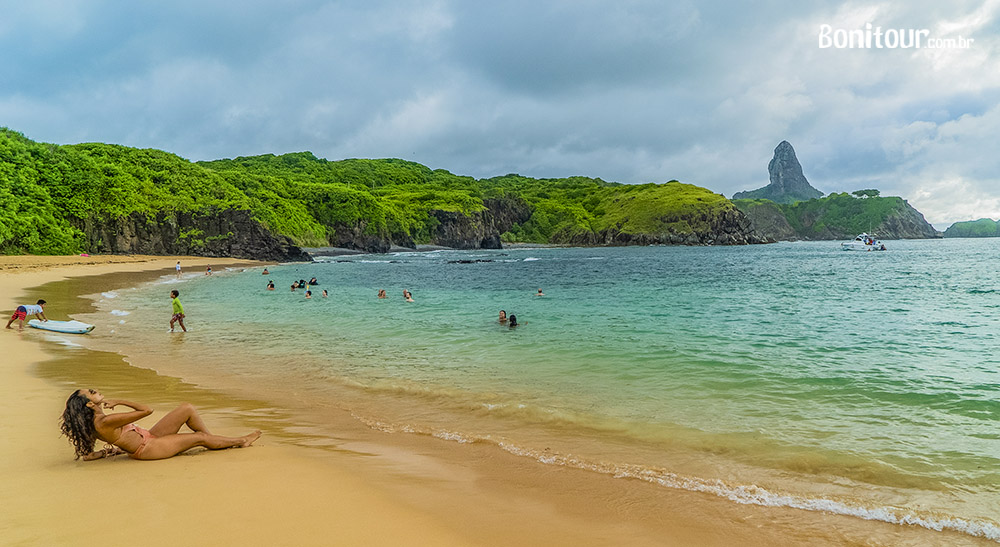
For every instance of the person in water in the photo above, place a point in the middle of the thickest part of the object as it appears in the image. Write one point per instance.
(22, 313)
(324, 294)
(309, 294)
(270, 285)
(503, 316)
(178, 308)
(513, 321)
(293, 286)
(539, 293)
(381, 294)
(265, 272)
(313, 281)
(408, 295)
(84, 422)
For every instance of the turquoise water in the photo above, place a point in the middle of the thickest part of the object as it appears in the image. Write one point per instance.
(791, 374)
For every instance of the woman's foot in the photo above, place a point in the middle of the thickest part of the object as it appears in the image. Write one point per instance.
(249, 439)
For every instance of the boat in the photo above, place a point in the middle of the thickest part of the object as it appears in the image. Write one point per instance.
(863, 242)
(67, 327)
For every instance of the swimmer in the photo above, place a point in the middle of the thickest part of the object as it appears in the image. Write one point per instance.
(270, 285)
(309, 294)
(381, 294)
(513, 321)
(539, 293)
(265, 272)
(503, 317)
(408, 295)
(324, 293)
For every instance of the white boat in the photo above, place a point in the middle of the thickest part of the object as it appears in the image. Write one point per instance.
(67, 327)
(863, 242)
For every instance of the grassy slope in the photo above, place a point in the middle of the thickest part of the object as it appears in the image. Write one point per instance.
(306, 198)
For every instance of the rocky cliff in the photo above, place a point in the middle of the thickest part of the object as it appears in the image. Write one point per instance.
(729, 227)
(767, 219)
(479, 230)
(227, 232)
(788, 184)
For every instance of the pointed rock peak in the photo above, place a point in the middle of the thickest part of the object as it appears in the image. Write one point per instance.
(787, 183)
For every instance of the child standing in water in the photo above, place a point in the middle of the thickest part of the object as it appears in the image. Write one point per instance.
(178, 316)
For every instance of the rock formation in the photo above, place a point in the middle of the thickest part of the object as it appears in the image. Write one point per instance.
(788, 184)
(229, 232)
(730, 227)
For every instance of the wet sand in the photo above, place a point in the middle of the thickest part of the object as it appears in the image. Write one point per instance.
(317, 477)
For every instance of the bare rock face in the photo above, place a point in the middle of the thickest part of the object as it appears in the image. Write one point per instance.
(788, 184)
(228, 232)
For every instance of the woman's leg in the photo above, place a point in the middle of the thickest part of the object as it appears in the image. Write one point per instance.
(172, 445)
(185, 414)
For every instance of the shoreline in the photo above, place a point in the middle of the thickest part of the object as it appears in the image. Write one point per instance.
(436, 493)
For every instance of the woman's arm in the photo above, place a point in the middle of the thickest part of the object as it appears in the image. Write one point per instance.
(115, 421)
(104, 453)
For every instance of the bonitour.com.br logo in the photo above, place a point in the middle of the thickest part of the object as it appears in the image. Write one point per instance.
(877, 38)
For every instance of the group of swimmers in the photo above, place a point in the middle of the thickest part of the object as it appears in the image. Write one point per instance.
(407, 295)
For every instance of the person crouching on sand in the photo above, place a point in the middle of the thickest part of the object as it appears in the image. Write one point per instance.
(178, 316)
(84, 423)
(22, 312)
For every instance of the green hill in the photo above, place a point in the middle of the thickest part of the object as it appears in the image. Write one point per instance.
(838, 216)
(983, 227)
(108, 198)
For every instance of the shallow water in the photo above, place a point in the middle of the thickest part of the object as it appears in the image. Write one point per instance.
(792, 374)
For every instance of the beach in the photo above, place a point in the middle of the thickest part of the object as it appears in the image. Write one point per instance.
(317, 477)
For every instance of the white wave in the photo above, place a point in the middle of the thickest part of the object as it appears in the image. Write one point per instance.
(452, 436)
(755, 495)
(120, 312)
(531, 259)
(109, 294)
(121, 322)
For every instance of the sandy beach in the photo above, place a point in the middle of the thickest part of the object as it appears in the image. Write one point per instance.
(364, 488)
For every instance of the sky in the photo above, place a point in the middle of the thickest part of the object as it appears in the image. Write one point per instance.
(632, 91)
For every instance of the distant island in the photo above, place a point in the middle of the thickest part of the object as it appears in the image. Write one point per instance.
(789, 208)
(983, 227)
(104, 198)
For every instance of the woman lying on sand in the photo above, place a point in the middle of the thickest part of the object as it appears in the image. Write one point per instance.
(84, 422)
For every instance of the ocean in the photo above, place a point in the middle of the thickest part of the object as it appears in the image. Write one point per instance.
(792, 374)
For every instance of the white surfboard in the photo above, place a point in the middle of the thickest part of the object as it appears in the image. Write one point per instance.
(68, 327)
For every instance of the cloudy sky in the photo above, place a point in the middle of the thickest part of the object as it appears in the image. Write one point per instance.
(627, 90)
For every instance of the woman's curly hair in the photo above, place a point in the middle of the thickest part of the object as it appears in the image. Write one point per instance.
(78, 424)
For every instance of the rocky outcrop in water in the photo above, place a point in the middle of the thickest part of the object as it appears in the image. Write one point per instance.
(788, 184)
(230, 232)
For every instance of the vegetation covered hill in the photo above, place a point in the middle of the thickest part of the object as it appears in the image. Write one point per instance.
(838, 216)
(107, 198)
(983, 227)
